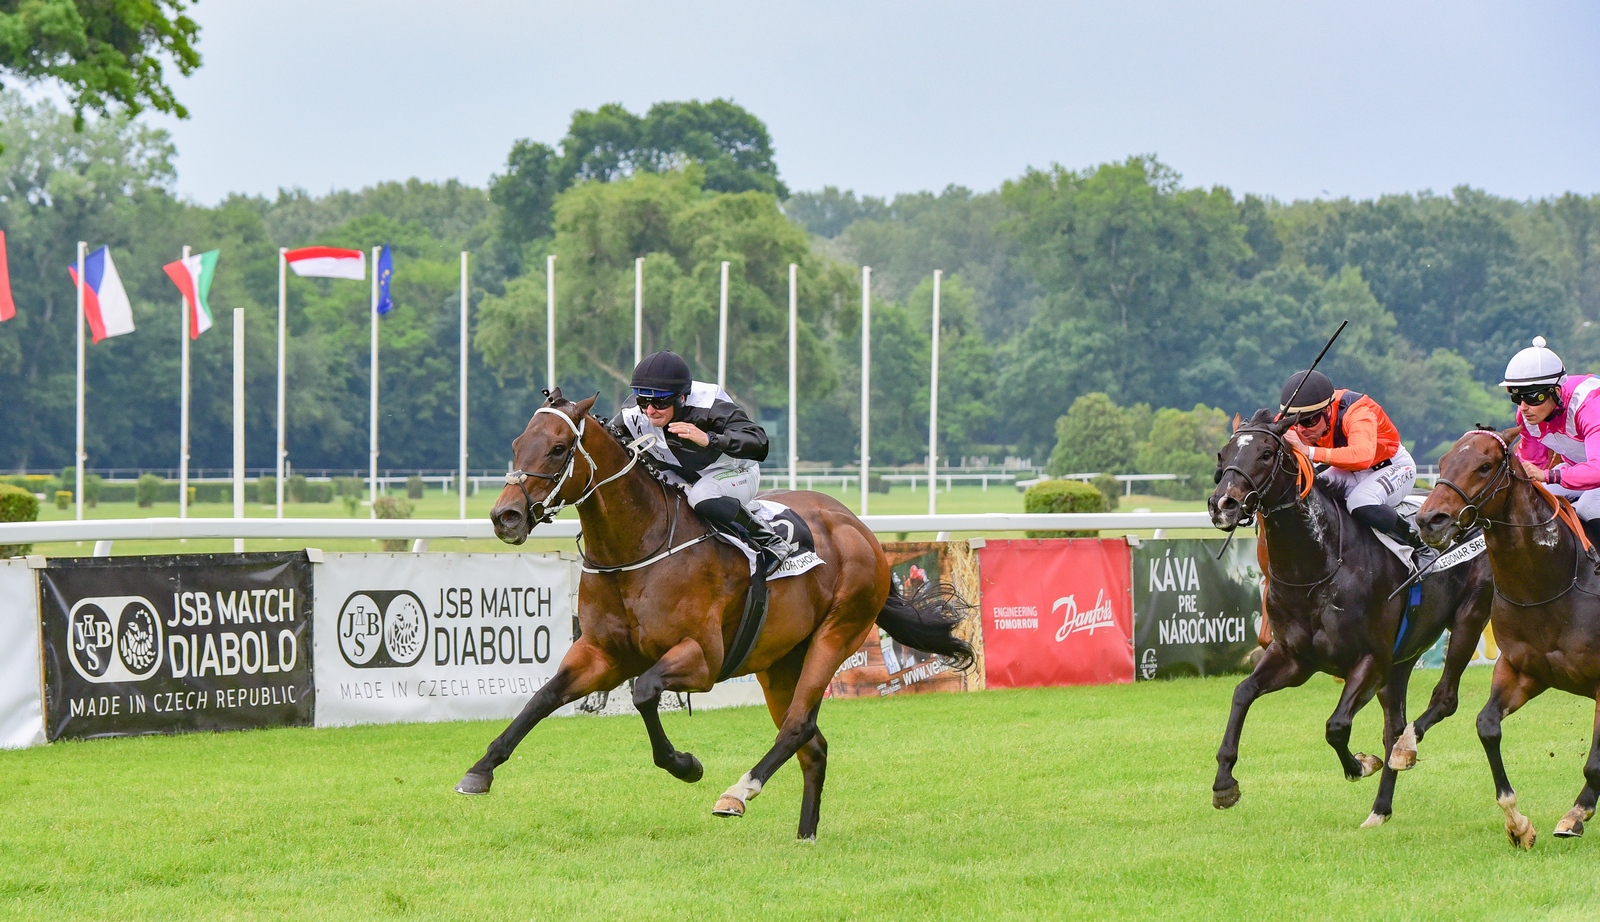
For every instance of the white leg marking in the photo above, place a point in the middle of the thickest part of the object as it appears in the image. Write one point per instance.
(744, 790)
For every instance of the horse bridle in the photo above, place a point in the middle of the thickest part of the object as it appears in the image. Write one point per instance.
(538, 512)
(1503, 477)
(1251, 503)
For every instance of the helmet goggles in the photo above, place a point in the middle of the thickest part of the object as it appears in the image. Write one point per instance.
(655, 397)
(1531, 396)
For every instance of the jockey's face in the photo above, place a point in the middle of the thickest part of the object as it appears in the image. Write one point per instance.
(1537, 414)
(1316, 428)
(658, 418)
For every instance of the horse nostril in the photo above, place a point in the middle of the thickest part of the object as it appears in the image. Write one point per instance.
(1227, 502)
(510, 518)
(1437, 521)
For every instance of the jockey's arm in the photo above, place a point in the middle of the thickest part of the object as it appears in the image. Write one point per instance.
(739, 435)
(1586, 475)
(1361, 442)
(1532, 450)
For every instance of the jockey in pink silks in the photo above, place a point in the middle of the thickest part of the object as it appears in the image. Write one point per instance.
(1560, 419)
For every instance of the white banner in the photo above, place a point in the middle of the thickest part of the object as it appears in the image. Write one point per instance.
(426, 637)
(21, 707)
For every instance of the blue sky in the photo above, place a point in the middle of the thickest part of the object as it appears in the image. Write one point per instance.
(1290, 100)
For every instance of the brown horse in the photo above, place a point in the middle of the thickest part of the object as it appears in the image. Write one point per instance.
(1546, 612)
(660, 602)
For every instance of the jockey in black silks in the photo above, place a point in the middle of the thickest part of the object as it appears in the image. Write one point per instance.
(706, 444)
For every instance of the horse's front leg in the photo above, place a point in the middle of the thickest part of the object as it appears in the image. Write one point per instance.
(1464, 634)
(1392, 696)
(586, 668)
(1510, 690)
(1276, 669)
(1359, 686)
(683, 668)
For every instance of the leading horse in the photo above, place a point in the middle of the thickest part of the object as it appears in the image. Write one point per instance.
(1546, 612)
(660, 601)
(1329, 582)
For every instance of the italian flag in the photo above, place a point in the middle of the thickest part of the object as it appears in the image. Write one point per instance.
(193, 275)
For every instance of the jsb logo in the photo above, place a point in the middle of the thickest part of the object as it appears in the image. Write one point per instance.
(114, 639)
(382, 629)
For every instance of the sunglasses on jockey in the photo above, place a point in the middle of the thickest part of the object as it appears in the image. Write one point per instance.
(655, 399)
(1532, 396)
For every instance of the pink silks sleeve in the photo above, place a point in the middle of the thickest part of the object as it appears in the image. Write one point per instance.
(1585, 476)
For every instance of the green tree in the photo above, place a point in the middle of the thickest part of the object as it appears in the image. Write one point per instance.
(1183, 443)
(1096, 435)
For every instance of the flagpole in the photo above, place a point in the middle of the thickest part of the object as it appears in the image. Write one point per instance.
(78, 454)
(183, 416)
(372, 457)
(866, 375)
(638, 310)
(283, 343)
(933, 407)
(722, 332)
(464, 293)
(238, 422)
(550, 321)
(794, 303)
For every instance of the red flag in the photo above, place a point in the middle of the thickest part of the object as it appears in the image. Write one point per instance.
(7, 308)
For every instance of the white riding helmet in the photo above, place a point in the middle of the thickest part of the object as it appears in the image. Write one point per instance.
(1533, 366)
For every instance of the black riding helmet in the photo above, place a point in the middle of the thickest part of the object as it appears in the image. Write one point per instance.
(1313, 396)
(660, 374)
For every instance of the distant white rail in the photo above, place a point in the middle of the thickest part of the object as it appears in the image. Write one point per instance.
(105, 531)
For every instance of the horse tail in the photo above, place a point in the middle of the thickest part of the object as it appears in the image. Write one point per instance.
(927, 620)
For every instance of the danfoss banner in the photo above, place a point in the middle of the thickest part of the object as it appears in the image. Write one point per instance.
(1056, 612)
(423, 637)
(138, 645)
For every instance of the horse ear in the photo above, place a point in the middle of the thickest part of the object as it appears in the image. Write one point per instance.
(584, 405)
(1510, 434)
(1236, 422)
(553, 398)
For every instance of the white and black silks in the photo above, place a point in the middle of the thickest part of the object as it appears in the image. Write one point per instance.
(735, 437)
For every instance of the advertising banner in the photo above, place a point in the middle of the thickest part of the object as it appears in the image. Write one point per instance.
(1056, 612)
(137, 645)
(883, 665)
(1195, 615)
(425, 637)
(21, 704)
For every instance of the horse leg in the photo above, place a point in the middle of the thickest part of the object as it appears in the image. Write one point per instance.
(1571, 825)
(1359, 687)
(1392, 696)
(1275, 670)
(585, 668)
(1510, 690)
(798, 725)
(683, 668)
(1463, 644)
(778, 683)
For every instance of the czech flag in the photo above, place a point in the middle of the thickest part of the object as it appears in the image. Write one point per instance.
(327, 263)
(105, 302)
(7, 308)
(193, 275)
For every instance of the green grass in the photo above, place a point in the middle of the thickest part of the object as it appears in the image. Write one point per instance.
(1037, 804)
(435, 505)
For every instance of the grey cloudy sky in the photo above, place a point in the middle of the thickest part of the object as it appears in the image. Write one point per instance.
(1277, 98)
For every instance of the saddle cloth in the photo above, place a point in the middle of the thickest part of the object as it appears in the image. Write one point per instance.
(1460, 554)
(788, 523)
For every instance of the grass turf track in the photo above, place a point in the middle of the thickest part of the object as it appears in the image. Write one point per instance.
(1034, 804)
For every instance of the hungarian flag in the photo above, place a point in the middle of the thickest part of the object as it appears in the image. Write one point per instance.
(105, 302)
(327, 263)
(7, 308)
(192, 275)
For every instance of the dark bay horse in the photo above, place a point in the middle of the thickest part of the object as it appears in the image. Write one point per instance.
(1328, 585)
(660, 602)
(1546, 612)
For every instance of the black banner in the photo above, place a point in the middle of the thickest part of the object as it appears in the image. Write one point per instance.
(1194, 614)
(136, 645)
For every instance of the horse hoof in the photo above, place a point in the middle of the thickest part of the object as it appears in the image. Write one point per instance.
(1402, 759)
(728, 806)
(474, 783)
(1523, 838)
(1375, 820)
(687, 768)
(1224, 799)
(1369, 764)
(1570, 827)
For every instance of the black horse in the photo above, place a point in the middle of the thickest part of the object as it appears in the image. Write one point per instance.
(1329, 581)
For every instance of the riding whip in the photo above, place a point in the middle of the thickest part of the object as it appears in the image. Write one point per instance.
(1290, 402)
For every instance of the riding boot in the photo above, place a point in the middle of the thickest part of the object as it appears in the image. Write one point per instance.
(774, 548)
(1387, 520)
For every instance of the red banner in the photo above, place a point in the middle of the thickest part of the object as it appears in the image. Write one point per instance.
(1057, 612)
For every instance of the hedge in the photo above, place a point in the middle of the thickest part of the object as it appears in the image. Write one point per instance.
(17, 504)
(1064, 496)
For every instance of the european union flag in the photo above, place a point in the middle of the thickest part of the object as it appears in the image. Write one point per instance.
(385, 270)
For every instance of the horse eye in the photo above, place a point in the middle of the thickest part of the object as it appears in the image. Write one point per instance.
(1217, 477)
(559, 450)
(1483, 468)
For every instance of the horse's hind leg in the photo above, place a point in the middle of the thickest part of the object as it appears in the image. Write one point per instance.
(584, 669)
(779, 682)
(1571, 825)
(683, 668)
(1463, 644)
(1276, 669)
(1509, 691)
(1359, 686)
(1392, 695)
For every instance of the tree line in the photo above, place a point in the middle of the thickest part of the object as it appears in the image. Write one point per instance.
(1116, 280)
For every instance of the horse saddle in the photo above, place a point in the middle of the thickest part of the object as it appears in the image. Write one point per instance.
(1468, 547)
(802, 557)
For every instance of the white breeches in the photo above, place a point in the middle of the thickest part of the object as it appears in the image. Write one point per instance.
(1386, 486)
(739, 479)
(1585, 502)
